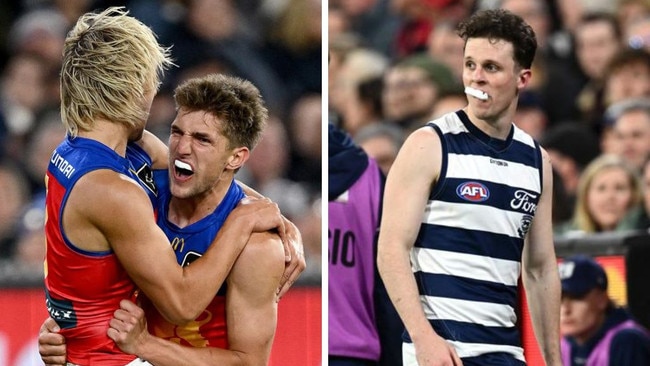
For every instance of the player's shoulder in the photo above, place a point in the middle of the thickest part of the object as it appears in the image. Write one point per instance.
(423, 136)
(264, 251)
(104, 190)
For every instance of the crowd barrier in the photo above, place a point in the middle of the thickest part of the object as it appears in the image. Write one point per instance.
(22, 304)
(625, 258)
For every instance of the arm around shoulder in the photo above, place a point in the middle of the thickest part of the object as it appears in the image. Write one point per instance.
(143, 249)
(156, 148)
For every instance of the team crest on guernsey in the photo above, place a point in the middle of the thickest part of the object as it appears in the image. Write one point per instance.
(145, 175)
(524, 225)
(473, 192)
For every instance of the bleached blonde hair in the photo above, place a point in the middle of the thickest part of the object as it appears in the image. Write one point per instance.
(110, 61)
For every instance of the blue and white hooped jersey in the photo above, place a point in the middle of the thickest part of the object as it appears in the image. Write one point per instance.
(467, 255)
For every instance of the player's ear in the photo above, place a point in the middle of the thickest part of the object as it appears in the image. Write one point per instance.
(524, 78)
(238, 157)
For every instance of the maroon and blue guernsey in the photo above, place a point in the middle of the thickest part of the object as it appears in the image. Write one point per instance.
(84, 288)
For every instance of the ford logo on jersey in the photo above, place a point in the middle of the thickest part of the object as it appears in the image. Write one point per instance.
(473, 192)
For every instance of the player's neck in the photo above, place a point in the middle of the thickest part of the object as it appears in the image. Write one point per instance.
(497, 127)
(184, 211)
(111, 134)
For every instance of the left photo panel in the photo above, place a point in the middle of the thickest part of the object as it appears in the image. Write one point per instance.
(160, 166)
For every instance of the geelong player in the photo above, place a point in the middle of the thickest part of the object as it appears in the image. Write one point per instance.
(467, 211)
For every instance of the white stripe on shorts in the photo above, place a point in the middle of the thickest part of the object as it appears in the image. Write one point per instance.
(409, 359)
(136, 362)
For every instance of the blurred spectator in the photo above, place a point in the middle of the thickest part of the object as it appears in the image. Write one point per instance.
(47, 135)
(305, 134)
(41, 32)
(418, 19)
(73, 9)
(595, 330)
(631, 131)
(339, 49)
(29, 250)
(530, 115)
(598, 40)
(267, 167)
(628, 76)
(381, 141)
(411, 89)
(571, 11)
(608, 199)
(372, 20)
(637, 33)
(644, 220)
(22, 97)
(214, 29)
(14, 196)
(568, 157)
(356, 89)
(630, 11)
(338, 22)
(447, 47)
(556, 78)
(365, 107)
(562, 204)
(449, 101)
(293, 48)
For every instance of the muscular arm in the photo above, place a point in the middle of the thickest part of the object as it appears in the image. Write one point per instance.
(156, 149)
(121, 219)
(293, 248)
(251, 314)
(540, 274)
(417, 167)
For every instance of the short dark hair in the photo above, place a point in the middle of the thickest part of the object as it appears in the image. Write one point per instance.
(500, 24)
(628, 57)
(599, 16)
(236, 101)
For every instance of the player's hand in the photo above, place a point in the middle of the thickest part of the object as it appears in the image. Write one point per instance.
(436, 351)
(128, 328)
(263, 214)
(294, 258)
(51, 344)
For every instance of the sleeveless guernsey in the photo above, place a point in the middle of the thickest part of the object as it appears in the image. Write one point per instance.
(189, 243)
(467, 255)
(83, 288)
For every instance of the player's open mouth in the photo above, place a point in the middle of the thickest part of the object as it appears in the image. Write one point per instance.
(182, 169)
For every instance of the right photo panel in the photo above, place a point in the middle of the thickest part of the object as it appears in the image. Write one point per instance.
(488, 182)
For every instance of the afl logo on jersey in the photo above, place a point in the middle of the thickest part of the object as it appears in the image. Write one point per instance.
(473, 192)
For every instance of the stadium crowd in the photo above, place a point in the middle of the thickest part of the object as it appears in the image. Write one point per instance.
(396, 65)
(274, 44)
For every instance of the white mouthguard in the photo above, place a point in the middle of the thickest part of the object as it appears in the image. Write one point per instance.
(476, 93)
(181, 165)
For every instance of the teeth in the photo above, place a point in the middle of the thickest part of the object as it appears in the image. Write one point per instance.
(476, 93)
(181, 165)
